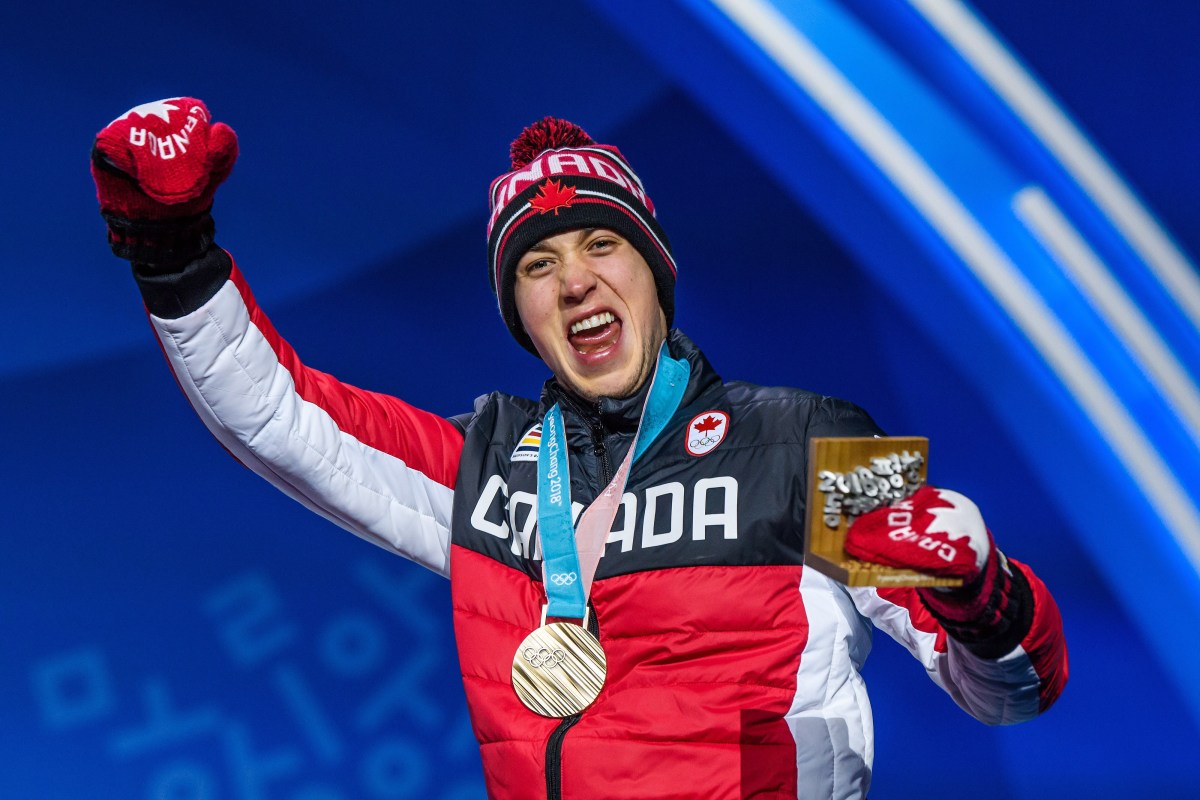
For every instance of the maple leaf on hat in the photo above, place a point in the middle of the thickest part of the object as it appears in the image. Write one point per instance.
(709, 423)
(552, 196)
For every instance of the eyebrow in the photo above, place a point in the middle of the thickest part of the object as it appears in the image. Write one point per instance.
(543, 247)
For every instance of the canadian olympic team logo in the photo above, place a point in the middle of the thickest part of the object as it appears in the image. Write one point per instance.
(706, 431)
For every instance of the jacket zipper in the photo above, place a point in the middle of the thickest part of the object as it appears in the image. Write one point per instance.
(601, 452)
(554, 744)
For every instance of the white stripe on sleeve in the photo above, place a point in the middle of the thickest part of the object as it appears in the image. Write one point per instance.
(248, 400)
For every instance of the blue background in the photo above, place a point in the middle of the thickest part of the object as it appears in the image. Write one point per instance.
(174, 628)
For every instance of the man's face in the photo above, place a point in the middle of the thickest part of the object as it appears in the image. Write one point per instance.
(587, 300)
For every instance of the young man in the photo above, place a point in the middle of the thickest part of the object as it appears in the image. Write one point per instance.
(632, 613)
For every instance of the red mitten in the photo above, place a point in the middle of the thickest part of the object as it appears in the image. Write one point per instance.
(936, 531)
(156, 169)
(940, 532)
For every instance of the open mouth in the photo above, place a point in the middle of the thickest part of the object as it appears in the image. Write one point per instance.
(595, 333)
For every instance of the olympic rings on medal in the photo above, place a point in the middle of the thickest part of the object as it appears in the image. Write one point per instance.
(544, 657)
(563, 578)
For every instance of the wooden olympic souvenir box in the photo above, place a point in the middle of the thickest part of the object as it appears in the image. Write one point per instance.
(850, 476)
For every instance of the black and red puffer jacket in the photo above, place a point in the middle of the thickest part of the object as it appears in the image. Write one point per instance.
(733, 671)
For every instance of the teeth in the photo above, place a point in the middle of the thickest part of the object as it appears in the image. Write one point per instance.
(594, 321)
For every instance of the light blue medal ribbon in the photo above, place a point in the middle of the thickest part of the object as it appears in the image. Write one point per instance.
(560, 568)
(560, 564)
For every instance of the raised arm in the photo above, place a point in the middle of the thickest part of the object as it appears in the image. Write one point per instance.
(369, 462)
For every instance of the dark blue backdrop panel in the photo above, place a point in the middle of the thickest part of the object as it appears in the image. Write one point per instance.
(176, 628)
(363, 129)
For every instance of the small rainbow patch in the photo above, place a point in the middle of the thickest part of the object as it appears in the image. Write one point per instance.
(527, 448)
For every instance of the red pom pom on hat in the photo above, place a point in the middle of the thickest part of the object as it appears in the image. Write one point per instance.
(547, 133)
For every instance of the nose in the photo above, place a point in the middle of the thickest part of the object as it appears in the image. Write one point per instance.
(577, 279)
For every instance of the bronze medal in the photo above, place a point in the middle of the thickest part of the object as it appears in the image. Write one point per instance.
(559, 670)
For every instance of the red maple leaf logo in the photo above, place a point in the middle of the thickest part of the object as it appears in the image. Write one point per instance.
(709, 423)
(552, 196)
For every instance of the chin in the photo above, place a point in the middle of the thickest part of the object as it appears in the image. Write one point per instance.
(617, 381)
(615, 388)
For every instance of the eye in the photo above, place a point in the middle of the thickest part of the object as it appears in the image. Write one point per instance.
(602, 244)
(535, 266)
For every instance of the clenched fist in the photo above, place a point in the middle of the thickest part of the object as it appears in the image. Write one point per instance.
(156, 168)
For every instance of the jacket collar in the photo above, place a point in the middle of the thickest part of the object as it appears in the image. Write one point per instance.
(622, 415)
